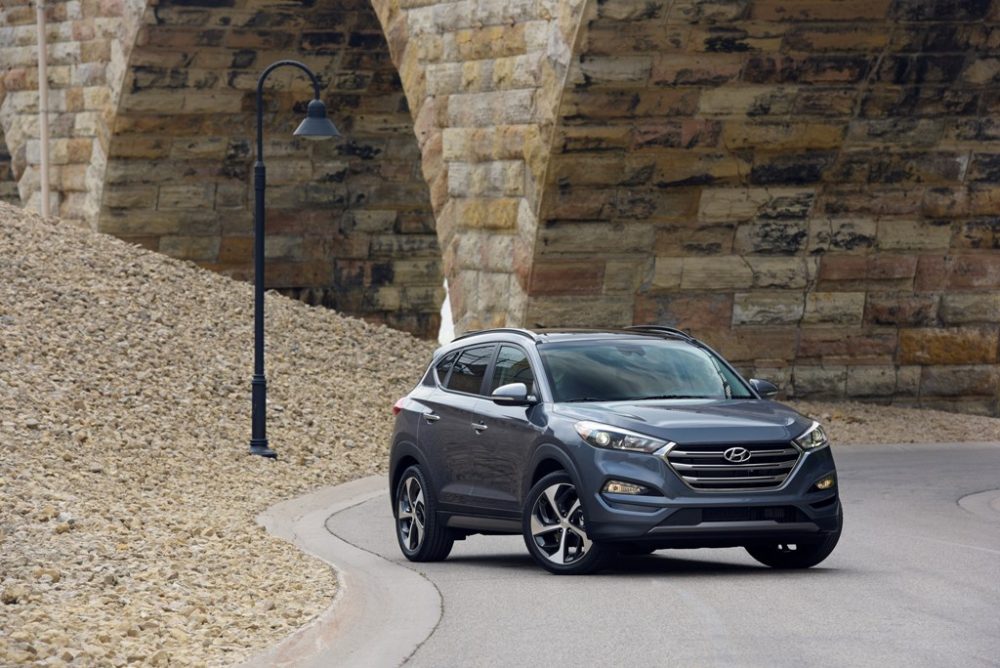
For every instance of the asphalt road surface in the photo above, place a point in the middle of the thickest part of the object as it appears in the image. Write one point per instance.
(915, 581)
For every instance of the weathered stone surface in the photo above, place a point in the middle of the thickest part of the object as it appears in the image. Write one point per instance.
(948, 346)
(767, 308)
(901, 309)
(955, 381)
(819, 381)
(844, 344)
(693, 149)
(715, 273)
(964, 308)
(871, 381)
(834, 308)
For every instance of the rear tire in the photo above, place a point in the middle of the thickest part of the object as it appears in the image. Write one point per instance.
(420, 535)
(797, 555)
(554, 529)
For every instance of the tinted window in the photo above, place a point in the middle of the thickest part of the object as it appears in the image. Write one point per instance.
(617, 370)
(470, 369)
(444, 366)
(512, 367)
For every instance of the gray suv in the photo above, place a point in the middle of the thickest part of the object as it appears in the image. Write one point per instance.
(595, 443)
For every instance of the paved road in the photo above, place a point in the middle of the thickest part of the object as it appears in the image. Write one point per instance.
(915, 581)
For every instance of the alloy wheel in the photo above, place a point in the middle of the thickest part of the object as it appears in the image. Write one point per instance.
(557, 525)
(411, 514)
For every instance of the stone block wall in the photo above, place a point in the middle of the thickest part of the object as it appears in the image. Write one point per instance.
(809, 186)
(812, 186)
(483, 80)
(349, 222)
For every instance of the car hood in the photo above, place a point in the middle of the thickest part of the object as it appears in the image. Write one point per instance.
(696, 420)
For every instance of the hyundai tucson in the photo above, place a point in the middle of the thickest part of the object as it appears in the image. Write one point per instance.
(592, 444)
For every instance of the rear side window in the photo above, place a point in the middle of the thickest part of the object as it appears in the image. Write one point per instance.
(470, 369)
(444, 366)
(512, 367)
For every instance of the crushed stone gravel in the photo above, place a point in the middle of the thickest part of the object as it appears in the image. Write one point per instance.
(127, 499)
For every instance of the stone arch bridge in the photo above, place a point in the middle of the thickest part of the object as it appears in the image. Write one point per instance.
(810, 185)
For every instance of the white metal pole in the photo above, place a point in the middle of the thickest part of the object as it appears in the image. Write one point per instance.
(43, 103)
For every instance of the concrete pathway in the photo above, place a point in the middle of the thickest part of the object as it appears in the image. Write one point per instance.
(382, 610)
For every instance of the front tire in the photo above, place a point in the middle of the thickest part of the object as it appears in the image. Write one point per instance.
(555, 531)
(797, 555)
(421, 537)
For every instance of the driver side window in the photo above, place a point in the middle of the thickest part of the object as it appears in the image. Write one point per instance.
(512, 366)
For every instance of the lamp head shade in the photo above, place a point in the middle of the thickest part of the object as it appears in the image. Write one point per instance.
(316, 125)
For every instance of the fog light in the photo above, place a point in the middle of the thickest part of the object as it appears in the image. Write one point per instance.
(619, 487)
(826, 482)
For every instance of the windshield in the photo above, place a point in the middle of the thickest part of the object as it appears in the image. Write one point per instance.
(636, 369)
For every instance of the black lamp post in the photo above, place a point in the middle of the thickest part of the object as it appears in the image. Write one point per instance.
(315, 126)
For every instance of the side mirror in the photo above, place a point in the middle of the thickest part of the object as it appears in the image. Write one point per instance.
(766, 389)
(513, 394)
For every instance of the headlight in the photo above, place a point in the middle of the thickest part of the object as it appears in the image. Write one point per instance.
(613, 438)
(813, 437)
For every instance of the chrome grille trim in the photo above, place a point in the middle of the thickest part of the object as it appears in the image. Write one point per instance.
(703, 467)
(733, 467)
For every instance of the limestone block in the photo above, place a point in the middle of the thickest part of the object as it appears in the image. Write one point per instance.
(975, 271)
(964, 308)
(767, 308)
(776, 237)
(835, 308)
(960, 380)
(908, 235)
(281, 246)
(948, 346)
(819, 381)
(725, 272)
(687, 311)
(580, 311)
(901, 309)
(132, 197)
(586, 237)
(908, 380)
(190, 248)
(845, 235)
(848, 343)
(667, 273)
(782, 272)
(194, 196)
(871, 381)
(560, 277)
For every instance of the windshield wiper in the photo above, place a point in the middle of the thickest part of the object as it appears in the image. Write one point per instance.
(670, 396)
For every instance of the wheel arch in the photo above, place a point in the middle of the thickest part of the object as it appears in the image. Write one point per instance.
(547, 459)
(404, 455)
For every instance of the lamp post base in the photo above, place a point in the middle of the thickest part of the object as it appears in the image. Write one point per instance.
(259, 448)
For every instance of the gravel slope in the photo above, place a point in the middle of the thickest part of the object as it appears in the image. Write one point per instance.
(126, 497)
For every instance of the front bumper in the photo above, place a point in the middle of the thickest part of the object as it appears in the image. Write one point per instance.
(678, 516)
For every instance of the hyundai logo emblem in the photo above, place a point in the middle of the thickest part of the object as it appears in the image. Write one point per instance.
(736, 455)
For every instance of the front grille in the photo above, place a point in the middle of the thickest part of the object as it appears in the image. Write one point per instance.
(703, 467)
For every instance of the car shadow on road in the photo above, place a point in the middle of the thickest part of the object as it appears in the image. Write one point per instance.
(661, 563)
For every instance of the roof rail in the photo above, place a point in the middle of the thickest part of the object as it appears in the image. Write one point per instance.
(506, 330)
(662, 329)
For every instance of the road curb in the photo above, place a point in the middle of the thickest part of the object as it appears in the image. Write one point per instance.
(382, 611)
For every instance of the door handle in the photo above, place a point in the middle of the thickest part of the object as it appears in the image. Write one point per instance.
(432, 417)
(480, 427)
